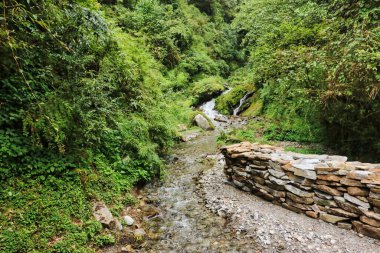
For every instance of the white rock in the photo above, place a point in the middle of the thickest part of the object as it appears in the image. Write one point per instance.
(129, 220)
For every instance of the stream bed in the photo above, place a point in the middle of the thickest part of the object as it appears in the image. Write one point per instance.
(184, 223)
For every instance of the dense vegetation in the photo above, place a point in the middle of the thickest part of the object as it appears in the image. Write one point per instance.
(316, 65)
(92, 93)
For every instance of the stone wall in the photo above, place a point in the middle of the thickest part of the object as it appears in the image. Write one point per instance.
(321, 186)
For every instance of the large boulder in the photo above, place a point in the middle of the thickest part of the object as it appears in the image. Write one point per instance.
(202, 122)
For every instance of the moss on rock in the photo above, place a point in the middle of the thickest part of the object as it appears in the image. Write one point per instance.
(226, 103)
(207, 88)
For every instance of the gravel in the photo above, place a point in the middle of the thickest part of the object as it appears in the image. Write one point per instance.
(276, 229)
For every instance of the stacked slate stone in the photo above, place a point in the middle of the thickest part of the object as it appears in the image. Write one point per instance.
(321, 186)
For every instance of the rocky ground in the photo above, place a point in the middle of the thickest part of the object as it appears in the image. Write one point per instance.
(276, 229)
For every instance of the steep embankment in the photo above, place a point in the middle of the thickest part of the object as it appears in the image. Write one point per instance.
(316, 66)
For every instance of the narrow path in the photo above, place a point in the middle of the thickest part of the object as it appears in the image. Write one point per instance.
(277, 229)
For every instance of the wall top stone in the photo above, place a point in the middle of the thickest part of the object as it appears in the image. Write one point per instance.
(303, 164)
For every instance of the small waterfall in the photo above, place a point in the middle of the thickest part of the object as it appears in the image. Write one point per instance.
(242, 101)
(209, 108)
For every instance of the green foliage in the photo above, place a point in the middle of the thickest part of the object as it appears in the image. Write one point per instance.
(317, 64)
(207, 88)
(92, 92)
(227, 102)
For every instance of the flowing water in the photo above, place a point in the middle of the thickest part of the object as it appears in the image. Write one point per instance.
(242, 101)
(184, 224)
(208, 109)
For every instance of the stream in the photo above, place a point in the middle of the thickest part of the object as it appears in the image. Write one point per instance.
(184, 224)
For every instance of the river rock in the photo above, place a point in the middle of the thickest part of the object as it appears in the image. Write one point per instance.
(102, 214)
(202, 122)
(128, 220)
(189, 137)
(221, 118)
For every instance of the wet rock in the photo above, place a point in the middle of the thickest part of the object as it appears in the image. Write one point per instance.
(221, 118)
(189, 137)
